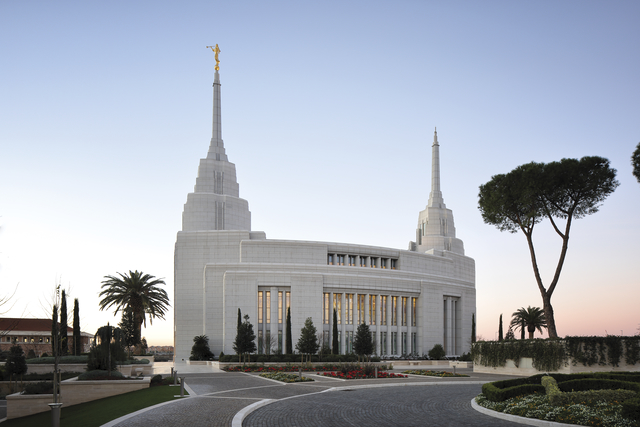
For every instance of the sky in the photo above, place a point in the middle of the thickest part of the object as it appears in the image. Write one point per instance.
(328, 112)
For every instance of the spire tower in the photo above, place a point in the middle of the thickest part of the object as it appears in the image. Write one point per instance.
(216, 148)
(435, 197)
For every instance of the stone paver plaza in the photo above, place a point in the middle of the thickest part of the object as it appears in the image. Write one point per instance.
(238, 399)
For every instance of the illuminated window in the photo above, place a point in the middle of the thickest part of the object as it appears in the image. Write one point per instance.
(260, 312)
(337, 305)
(404, 311)
(326, 307)
(383, 310)
(394, 311)
(414, 302)
(267, 296)
(280, 307)
(349, 309)
(360, 309)
(372, 309)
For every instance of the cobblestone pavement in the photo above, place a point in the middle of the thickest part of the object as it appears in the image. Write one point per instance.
(216, 398)
(444, 404)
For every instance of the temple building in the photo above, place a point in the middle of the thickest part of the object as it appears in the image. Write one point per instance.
(411, 299)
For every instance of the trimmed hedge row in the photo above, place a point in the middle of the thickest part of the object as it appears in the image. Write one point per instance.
(598, 384)
(631, 408)
(590, 397)
(294, 358)
(496, 394)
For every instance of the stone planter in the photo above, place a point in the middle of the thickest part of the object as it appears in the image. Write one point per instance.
(73, 392)
(526, 368)
(45, 368)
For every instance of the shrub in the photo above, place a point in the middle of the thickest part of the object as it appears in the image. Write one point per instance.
(42, 387)
(156, 380)
(496, 394)
(551, 387)
(631, 408)
(62, 360)
(138, 362)
(200, 349)
(590, 397)
(598, 384)
(466, 357)
(100, 375)
(437, 352)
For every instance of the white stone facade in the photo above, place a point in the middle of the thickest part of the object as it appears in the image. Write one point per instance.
(411, 299)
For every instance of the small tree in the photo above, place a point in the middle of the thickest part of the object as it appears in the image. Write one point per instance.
(335, 343)
(500, 337)
(363, 344)
(510, 335)
(245, 339)
(16, 362)
(77, 339)
(64, 320)
(288, 333)
(55, 338)
(128, 327)
(200, 349)
(437, 352)
(308, 341)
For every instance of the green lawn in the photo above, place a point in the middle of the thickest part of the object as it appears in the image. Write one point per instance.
(101, 411)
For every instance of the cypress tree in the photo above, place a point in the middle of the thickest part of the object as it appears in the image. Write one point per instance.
(308, 341)
(239, 319)
(64, 339)
(473, 327)
(289, 339)
(335, 344)
(500, 337)
(77, 344)
(363, 344)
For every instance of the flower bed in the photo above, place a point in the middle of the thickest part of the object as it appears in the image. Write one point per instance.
(433, 373)
(602, 413)
(285, 378)
(358, 374)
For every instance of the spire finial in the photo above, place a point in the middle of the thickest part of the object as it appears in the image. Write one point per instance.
(216, 51)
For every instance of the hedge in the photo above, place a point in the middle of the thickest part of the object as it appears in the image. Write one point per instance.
(598, 384)
(631, 408)
(497, 394)
(591, 397)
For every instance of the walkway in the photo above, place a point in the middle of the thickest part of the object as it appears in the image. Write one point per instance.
(237, 399)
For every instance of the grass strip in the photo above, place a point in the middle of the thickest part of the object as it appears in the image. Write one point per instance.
(99, 412)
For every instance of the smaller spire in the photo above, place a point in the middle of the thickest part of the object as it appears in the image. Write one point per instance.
(435, 136)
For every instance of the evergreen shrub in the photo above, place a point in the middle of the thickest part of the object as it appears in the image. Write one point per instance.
(598, 384)
(590, 397)
(631, 408)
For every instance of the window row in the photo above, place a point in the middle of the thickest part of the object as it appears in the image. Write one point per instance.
(34, 340)
(386, 347)
(362, 261)
(364, 310)
(264, 306)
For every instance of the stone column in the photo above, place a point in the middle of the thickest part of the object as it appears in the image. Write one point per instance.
(410, 348)
(343, 328)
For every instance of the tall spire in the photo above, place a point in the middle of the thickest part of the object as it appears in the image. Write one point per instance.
(216, 148)
(435, 197)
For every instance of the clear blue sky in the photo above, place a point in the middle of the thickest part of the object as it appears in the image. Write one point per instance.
(328, 113)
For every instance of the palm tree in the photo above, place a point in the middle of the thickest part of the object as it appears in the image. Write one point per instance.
(138, 293)
(531, 317)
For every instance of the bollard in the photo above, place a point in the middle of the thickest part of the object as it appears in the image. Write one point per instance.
(172, 371)
(300, 372)
(181, 386)
(55, 414)
(376, 372)
(454, 369)
(175, 378)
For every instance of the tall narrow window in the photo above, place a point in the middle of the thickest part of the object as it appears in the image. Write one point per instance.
(394, 343)
(363, 261)
(383, 343)
(404, 343)
(340, 342)
(337, 306)
(404, 311)
(326, 306)
(393, 264)
(374, 261)
(287, 302)
(260, 310)
(267, 297)
(260, 341)
(329, 259)
(414, 302)
(280, 307)
(383, 309)
(349, 308)
(360, 309)
(394, 311)
(372, 309)
(267, 342)
(414, 343)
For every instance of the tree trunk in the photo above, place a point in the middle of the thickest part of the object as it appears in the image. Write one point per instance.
(548, 314)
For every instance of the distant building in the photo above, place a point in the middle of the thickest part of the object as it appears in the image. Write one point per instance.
(35, 334)
(163, 349)
(411, 299)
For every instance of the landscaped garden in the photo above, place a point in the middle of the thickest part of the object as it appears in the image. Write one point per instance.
(284, 377)
(589, 399)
